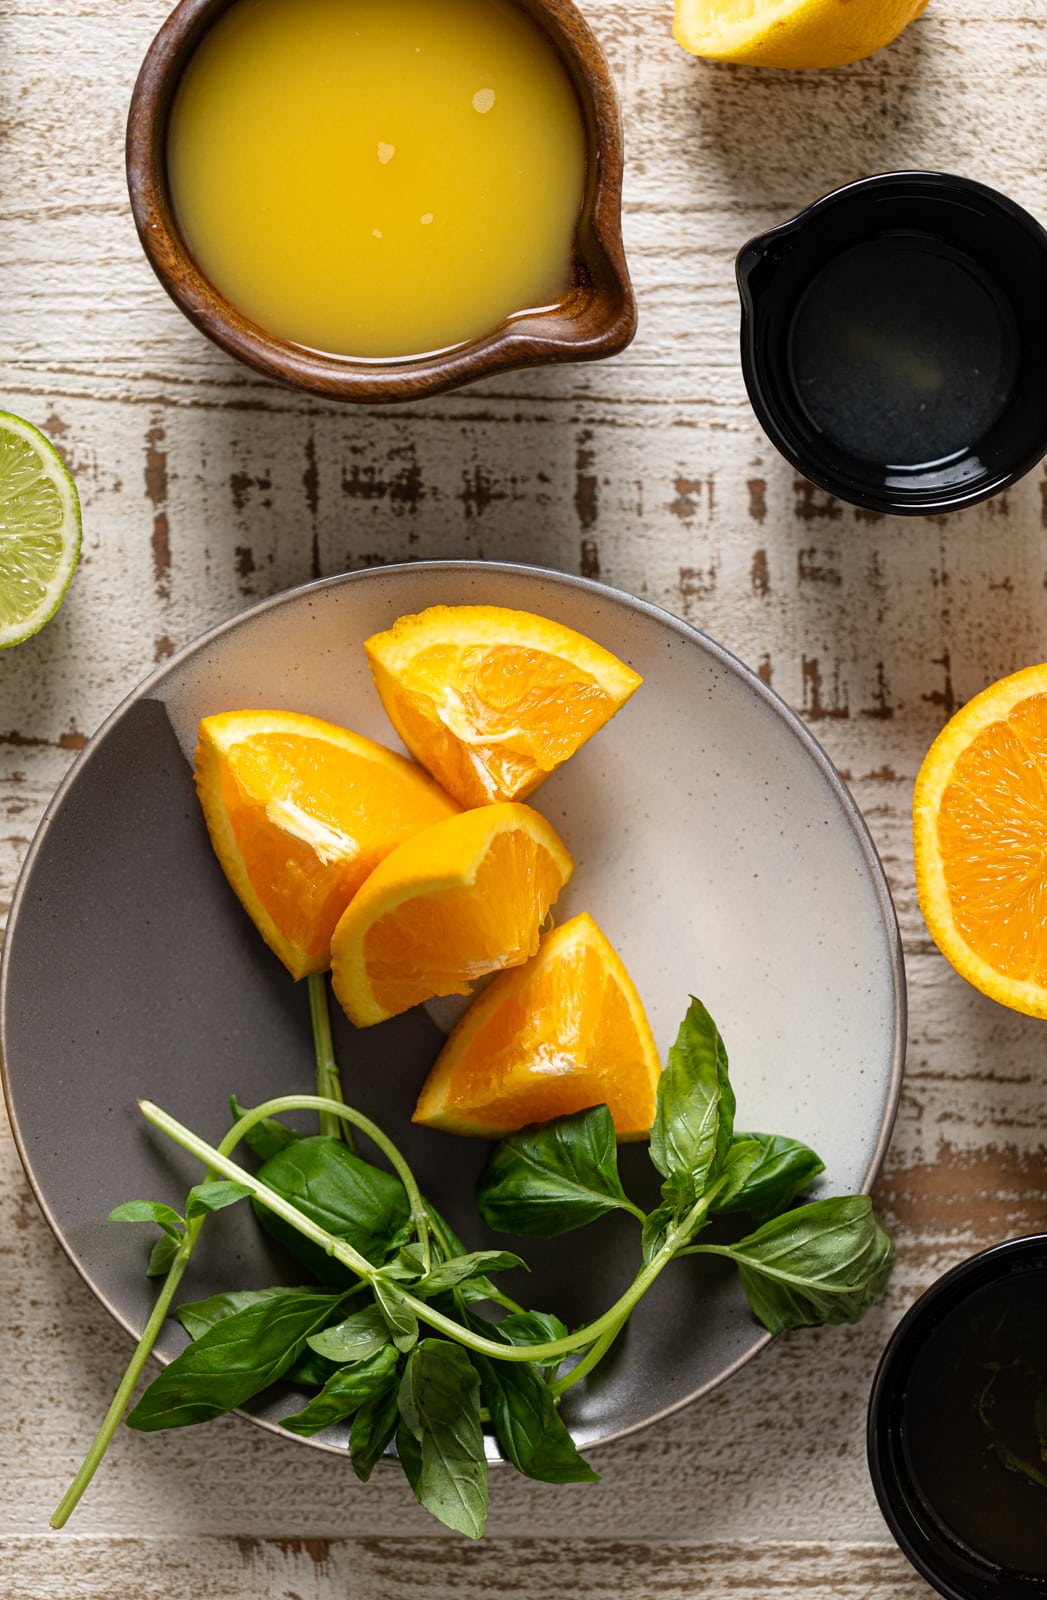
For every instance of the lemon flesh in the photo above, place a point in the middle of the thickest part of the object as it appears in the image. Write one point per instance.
(39, 529)
(791, 33)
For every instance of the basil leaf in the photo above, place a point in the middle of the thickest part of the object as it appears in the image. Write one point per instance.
(233, 1360)
(409, 1454)
(358, 1338)
(550, 1179)
(694, 1115)
(449, 1274)
(344, 1393)
(310, 1371)
(349, 1197)
(214, 1196)
(439, 1402)
(478, 1288)
(524, 1328)
(397, 1243)
(149, 1211)
(411, 1257)
(734, 1172)
(399, 1271)
(161, 1256)
(655, 1230)
(374, 1427)
(527, 1424)
(399, 1318)
(783, 1170)
(828, 1261)
(528, 1327)
(267, 1137)
(450, 1247)
(198, 1315)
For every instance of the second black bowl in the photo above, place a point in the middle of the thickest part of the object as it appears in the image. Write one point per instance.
(957, 1433)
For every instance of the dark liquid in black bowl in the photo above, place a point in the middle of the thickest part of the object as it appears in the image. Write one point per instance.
(975, 1430)
(901, 352)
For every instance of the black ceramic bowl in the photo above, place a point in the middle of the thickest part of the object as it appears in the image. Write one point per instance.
(967, 270)
(946, 1345)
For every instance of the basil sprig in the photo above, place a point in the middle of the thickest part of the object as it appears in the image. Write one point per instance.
(388, 1338)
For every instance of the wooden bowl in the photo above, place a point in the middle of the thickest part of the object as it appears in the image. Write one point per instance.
(595, 318)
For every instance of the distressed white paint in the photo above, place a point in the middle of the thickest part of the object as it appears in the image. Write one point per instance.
(204, 488)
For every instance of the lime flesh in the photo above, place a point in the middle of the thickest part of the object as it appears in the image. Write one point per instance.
(39, 529)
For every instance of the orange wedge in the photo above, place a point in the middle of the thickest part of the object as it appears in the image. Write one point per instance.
(490, 700)
(980, 841)
(466, 897)
(300, 812)
(566, 1031)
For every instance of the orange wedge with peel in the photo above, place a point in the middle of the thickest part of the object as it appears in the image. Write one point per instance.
(465, 897)
(492, 700)
(565, 1031)
(300, 812)
(980, 841)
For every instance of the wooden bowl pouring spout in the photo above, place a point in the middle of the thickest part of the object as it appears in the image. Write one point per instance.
(595, 317)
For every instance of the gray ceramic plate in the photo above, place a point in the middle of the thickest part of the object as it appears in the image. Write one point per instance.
(714, 843)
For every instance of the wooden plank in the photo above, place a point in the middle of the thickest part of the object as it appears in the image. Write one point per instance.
(370, 1568)
(206, 488)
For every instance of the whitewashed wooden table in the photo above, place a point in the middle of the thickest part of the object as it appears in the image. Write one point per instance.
(205, 488)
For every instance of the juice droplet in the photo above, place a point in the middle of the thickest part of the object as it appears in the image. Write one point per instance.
(376, 233)
(483, 100)
(426, 218)
(386, 152)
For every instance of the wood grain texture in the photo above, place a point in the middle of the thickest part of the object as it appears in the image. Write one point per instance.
(206, 488)
(381, 1569)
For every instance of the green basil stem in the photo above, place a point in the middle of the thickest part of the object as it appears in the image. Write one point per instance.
(150, 1333)
(610, 1321)
(217, 1159)
(100, 1444)
(144, 1348)
(328, 1079)
(594, 1354)
(683, 1231)
(506, 1301)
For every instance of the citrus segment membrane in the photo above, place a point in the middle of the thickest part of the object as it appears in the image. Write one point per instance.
(466, 897)
(300, 812)
(565, 1031)
(492, 700)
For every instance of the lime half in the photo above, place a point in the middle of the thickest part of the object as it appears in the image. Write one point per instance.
(39, 529)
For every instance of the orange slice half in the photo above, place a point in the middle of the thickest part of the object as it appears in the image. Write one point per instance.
(466, 897)
(980, 841)
(566, 1031)
(300, 812)
(492, 700)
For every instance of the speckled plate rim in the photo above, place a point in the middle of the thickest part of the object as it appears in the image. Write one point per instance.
(732, 664)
